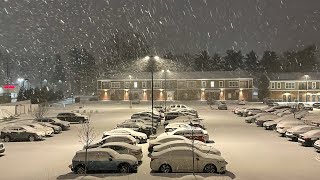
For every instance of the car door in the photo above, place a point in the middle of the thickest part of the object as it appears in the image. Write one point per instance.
(181, 160)
(13, 133)
(22, 134)
(108, 162)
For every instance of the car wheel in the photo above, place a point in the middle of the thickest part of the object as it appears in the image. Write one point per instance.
(6, 138)
(210, 168)
(138, 141)
(124, 168)
(80, 169)
(165, 168)
(31, 138)
(81, 121)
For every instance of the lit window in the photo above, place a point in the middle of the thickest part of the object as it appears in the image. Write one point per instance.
(203, 84)
(314, 85)
(289, 85)
(212, 84)
(278, 85)
(273, 85)
(144, 84)
(135, 84)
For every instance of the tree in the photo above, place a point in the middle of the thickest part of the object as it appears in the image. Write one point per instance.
(202, 61)
(40, 112)
(270, 62)
(251, 62)
(233, 60)
(216, 64)
(263, 86)
(86, 136)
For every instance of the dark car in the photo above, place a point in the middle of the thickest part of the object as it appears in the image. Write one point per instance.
(173, 114)
(73, 117)
(222, 105)
(316, 105)
(145, 116)
(63, 124)
(21, 133)
(139, 127)
(309, 138)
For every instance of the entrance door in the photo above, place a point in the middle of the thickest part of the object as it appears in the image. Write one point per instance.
(313, 98)
(284, 98)
(289, 98)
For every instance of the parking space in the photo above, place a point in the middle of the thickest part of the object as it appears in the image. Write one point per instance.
(251, 152)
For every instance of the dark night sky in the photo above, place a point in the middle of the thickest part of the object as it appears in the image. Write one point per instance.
(47, 26)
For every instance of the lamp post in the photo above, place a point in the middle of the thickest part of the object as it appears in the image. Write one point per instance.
(130, 97)
(152, 61)
(165, 88)
(306, 76)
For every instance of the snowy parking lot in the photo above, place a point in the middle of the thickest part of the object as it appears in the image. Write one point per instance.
(251, 152)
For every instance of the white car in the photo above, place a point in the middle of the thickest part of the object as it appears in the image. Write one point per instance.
(173, 126)
(113, 138)
(282, 127)
(190, 133)
(309, 138)
(293, 133)
(48, 131)
(2, 148)
(164, 139)
(203, 147)
(316, 145)
(125, 148)
(140, 137)
(242, 102)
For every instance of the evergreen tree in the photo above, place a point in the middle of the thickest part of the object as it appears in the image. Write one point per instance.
(233, 60)
(217, 63)
(202, 61)
(263, 86)
(270, 62)
(251, 62)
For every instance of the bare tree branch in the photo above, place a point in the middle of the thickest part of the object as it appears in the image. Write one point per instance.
(40, 112)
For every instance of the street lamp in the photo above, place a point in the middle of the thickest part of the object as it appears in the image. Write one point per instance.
(165, 88)
(152, 60)
(306, 76)
(130, 98)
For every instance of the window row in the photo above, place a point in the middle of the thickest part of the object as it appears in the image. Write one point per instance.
(291, 85)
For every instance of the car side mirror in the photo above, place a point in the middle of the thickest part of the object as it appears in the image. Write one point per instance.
(110, 159)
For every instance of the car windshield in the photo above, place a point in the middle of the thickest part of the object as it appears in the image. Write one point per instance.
(87, 66)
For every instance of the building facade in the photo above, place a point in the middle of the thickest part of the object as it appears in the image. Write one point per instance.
(295, 87)
(227, 85)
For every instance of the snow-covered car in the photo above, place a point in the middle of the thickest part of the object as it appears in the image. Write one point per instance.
(173, 126)
(269, 117)
(316, 145)
(308, 107)
(242, 102)
(252, 119)
(282, 127)
(55, 121)
(56, 129)
(21, 133)
(203, 147)
(2, 148)
(164, 139)
(48, 131)
(113, 138)
(251, 112)
(73, 117)
(309, 138)
(293, 133)
(125, 148)
(139, 127)
(190, 133)
(140, 137)
(271, 125)
(177, 159)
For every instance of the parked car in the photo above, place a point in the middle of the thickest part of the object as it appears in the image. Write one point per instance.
(136, 101)
(140, 137)
(252, 119)
(309, 138)
(146, 122)
(316, 145)
(308, 107)
(188, 143)
(146, 116)
(271, 125)
(190, 133)
(56, 129)
(178, 159)
(242, 102)
(173, 126)
(2, 148)
(103, 159)
(251, 112)
(21, 133)
(175, 106)
(262, 119)
(125, 148)
(316, 105)
(113, 138)
(55, 121)
(222, 105)
(293, 133)
(174, 114)
(164, 139)
(73, 117)
(48, 131)
(191, 120)
(282, 127)
(139, 127)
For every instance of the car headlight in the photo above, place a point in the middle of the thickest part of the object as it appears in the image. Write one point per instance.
(222, 162)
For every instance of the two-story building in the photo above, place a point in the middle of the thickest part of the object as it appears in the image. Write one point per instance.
(218, 85)
(295, 86)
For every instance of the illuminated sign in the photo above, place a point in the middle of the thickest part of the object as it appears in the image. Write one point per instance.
(9, 86)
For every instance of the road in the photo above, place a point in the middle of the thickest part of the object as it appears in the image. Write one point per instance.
(252, 152)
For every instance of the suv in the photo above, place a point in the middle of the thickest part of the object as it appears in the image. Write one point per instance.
(222, 105)
(190, 133)
(73, 117)
(145, 116)
(18, 133)
(139, 127)
(103, 159)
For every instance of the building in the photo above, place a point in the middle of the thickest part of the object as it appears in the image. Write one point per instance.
(293, 87)
(219, 85)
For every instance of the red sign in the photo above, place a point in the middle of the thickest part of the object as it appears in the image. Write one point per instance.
(9, 86)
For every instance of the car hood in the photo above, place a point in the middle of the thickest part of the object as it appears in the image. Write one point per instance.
(127, 158)
(210, 150)
(268, 117)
